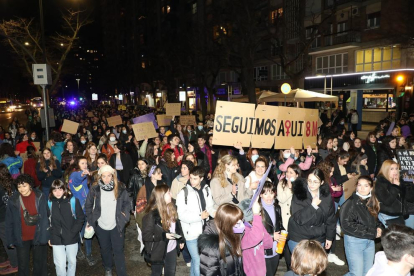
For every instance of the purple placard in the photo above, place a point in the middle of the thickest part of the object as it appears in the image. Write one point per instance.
(260, 187)
(146, 118)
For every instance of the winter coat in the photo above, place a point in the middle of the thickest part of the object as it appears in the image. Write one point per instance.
(254, 241)
(13, 165)
(154, 238)
(30, 169)
(371, 152)
(354, 119)
(135, 183)
(339, 178)
(382, 155)
(48, 177)
(78, 185)
(14, 224)
(22, 146)
(66, 159)
(269, 226)
(123, 205)
(223, 195)
(64, 227)
(308, 223)
(356, 220)
(177, 185)
(323, 153)
(178, 151)
(284, 196)
(126, 164)
(282, 166)
(57, 150)
(211, 263)
(168, 174)
(203, 161)
(190, 213)
(381, 267)
(390, 196)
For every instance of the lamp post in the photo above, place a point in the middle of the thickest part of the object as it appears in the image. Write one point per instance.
(285, 88)
(78, 80)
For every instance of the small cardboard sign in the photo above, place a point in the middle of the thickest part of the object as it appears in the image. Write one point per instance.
(406, 161)
(114, 121)
(37, 145)
(24, 158)
(173, 109)
(70, 126)
(143, 130)
(164, 120)
(350, 187)
(146, 118)
(188, 120)
(90, 114)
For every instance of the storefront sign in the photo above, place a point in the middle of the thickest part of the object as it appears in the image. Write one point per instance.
(373, 77)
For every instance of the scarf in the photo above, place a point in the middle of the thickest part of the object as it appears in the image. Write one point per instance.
(106, 187)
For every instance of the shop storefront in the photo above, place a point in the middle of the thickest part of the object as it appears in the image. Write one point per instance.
(372, 94)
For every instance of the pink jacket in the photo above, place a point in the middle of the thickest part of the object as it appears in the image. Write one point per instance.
(255, 240)
(302, 165)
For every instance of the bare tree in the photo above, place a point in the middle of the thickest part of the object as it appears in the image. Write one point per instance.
(23, 36)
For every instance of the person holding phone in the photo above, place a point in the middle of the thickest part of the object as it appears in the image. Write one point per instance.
(161, 232)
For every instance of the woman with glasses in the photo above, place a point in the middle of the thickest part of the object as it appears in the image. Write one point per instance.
(313, 211)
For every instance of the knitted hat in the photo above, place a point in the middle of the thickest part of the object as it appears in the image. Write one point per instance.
(247, 212)
(106, 168)
(364, 156)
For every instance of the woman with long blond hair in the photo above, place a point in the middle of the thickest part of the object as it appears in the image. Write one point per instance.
(161, 232)
(220, 244)
(390, 194)
(107, 210)
(48, 170)
(360, 225)
(227, 185)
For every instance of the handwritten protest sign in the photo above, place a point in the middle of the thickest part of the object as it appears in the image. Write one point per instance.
(90, 114)
(187, 120)
(406, 161)
(114, 121)
(173, 109)
(164, 120)
(143, 130)
(146, 118)
(70, 126)
(265, 126)
(260, 187)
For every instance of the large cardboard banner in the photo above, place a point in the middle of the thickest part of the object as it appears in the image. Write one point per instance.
(350, 187)
(173, 109)
(114, 121)
(150, 117)
(143, 130)
(406, 161)
(234, 122)
(70, 126)
(264, 126)
(164, 120)
(187, 120)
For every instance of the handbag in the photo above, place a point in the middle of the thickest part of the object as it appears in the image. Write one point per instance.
(89, 230)
(30, 220)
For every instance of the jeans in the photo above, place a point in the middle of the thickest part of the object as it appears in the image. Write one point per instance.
(61, 253)
(293, 244)
(39, 259)
(11, 253)
(195, 257)
(360, 255)
(87, 242)
(408, 222)
(112, 245)
(383, 218)
(170, 263)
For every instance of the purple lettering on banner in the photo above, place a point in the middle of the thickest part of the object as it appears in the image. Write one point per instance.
(146, 118)
(260, 187)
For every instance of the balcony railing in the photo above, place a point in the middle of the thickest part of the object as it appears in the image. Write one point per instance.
(341, 38)
(330, 3)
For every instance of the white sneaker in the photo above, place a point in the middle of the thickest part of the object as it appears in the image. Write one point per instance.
(338, 230)
(188, 264)
(338, 238)
(332, 258)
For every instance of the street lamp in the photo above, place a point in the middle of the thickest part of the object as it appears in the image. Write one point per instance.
(286, 88)
(78, 80)
(26, 43)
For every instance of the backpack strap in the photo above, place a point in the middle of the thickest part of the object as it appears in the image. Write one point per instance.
(73, 206)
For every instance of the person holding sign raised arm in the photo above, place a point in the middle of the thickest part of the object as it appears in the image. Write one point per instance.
(260, 166)
(290, 156)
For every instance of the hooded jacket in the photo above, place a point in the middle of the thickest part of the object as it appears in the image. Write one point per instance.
(14, 224)
(381, 267)
(135, 183)
(306, 222)
(356, 220)
(168, 174)
(13, 165)
(57, 150)
(390, 196)
(48, 177)
(211, 263)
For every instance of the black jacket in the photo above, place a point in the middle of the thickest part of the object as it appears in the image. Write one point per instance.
(135, 183)
(132, 150)
(123, 205)
(47, 178)
(154, 238)
(168, 174)
(390, 196)
(14, 225)
(340, 179)
(270, 227)
(126, 164)
(149, 186)
(211, 263)
(356, 220)
(372, 157)
(382, 155)
(64, 228)
(306, 222)
(202, 161)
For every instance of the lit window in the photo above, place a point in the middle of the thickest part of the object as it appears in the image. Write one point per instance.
(276, 14)
(194, 8)
(166, 9)
(375, 59)
(143, 64)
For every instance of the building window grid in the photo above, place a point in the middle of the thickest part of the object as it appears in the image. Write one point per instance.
(278, 73)
(260, 76)
(373, 20)
(376, 59)
(333, 64)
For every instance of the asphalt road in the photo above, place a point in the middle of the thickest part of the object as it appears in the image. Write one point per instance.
(7, 117)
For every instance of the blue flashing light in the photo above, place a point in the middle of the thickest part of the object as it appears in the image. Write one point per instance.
(72, 103)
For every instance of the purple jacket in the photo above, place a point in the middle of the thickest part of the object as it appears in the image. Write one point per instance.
(255, 240)
(405, 131)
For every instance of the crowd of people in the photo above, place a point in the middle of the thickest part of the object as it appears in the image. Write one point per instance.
(188, 196)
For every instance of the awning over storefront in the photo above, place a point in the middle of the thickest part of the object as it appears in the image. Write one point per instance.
(365, 86)
(297, 95)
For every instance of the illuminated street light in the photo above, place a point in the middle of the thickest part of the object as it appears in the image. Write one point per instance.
(285, 88)
(61, 44)
(26, 43)
(400, 78)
